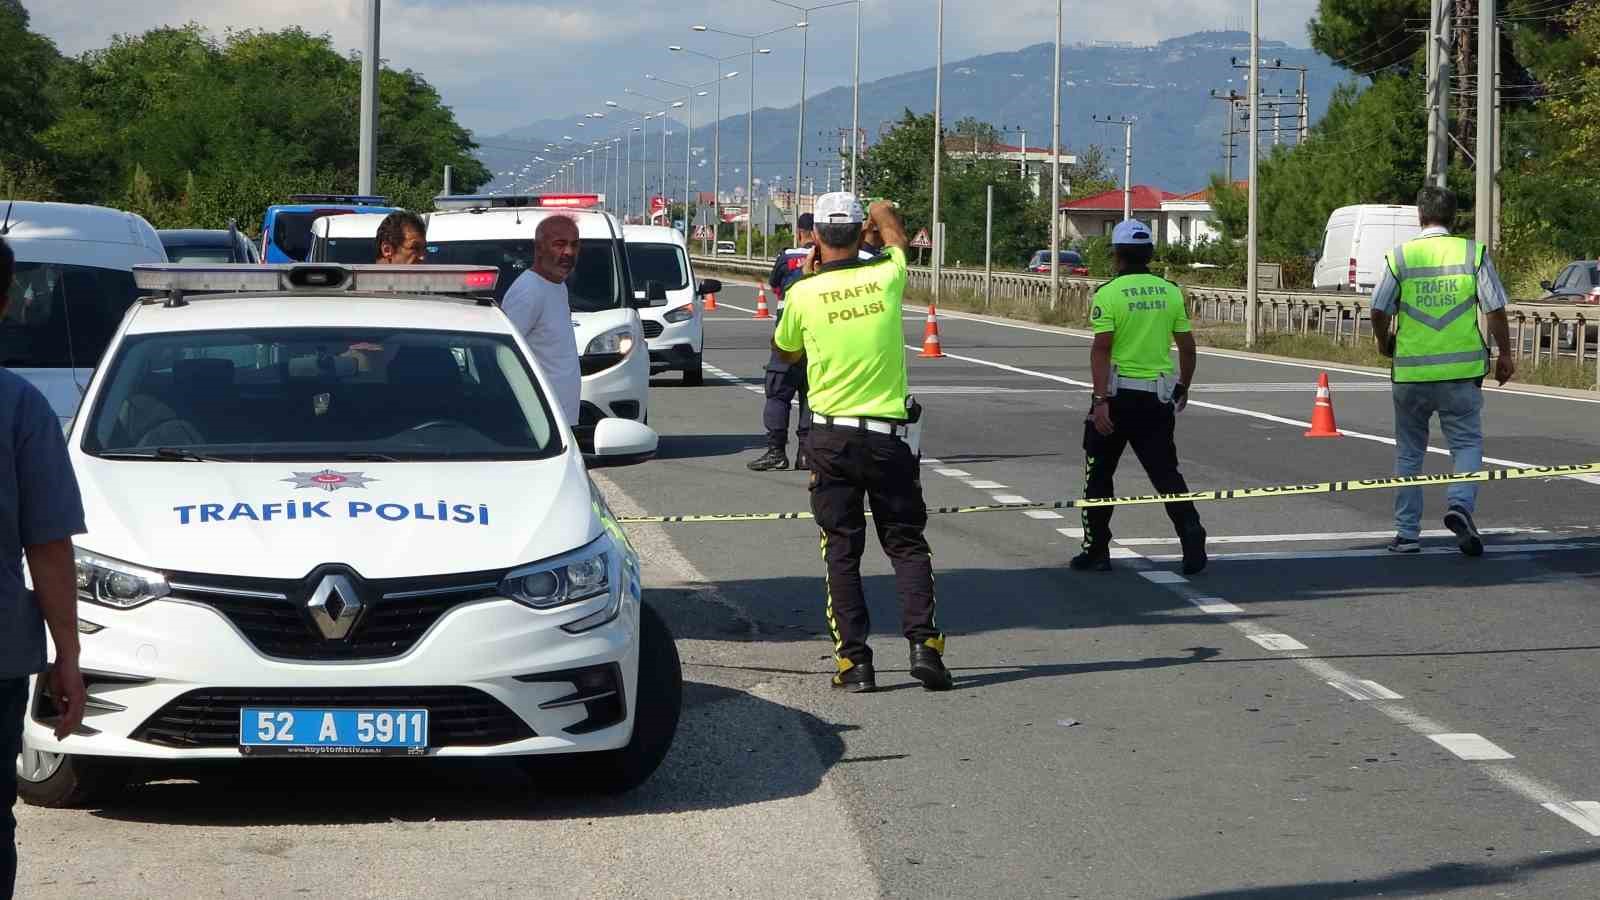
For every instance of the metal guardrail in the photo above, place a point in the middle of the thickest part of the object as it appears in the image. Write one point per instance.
(1540, 335)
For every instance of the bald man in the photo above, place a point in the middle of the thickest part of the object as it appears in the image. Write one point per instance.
(538, 307)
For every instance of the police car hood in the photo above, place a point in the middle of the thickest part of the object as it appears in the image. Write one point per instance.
(385, 520)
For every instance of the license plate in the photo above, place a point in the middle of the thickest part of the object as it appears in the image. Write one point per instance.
(333, 731)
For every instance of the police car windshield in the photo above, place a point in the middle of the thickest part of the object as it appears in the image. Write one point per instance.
(594, 285)
(321, 394)
(657, 262)
(62, 316)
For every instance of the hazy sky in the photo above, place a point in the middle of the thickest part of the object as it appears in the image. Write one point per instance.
(505, 63)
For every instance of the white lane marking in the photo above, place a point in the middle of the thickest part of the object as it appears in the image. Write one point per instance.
(1470, 747)
(1161, 577)
(1124, 553)
(1011, 498)
(1070, 532)
(1287, 387)
(1216, 606)
(1265, 417)
(1285, 555)
(930, 461)
(985, 485)
(1322, 536)
(1583, 813)
(1364, 689)
(1273, 641)
(1044, 514)
(1224, 354)
(953, 473)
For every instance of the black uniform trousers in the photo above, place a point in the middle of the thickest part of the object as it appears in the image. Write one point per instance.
(1142, 421)
(847, 464)
(783, 382)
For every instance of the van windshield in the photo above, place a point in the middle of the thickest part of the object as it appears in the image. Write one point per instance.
(352, 251)
(658, 262)
(594, 286)
(62, 316)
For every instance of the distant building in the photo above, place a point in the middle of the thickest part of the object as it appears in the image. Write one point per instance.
(1032, 162)
(1191, 218)
(1099, 214)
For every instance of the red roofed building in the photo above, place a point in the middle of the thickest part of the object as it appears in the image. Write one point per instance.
(1100, 213)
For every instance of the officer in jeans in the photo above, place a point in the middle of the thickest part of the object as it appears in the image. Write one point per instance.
(845, 320)
(785, 381)
(1137, 317)
(39, 513)
(1424, 316)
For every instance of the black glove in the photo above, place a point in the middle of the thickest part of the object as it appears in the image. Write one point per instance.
(1180, 397)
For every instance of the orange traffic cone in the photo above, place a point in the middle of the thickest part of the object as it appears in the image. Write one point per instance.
(761, 304)
(1322, 424)
(711, 303)
(930, 336)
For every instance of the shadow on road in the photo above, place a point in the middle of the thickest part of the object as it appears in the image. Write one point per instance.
(1436, 879)
(699, 446)
(732, 749)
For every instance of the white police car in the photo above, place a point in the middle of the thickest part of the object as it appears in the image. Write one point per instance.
(675, 331)
(332, 510)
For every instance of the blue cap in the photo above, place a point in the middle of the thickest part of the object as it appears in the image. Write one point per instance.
(1132, 232)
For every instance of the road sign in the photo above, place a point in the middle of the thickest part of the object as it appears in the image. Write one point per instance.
(921, 241)
(702, 232)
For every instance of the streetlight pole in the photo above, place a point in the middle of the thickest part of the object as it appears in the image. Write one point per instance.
(694, 91)
(938, 149)
(800, 128)
(1055, 170)
(716, 131)
(1252, 287)
(367, 162)
(667, 107)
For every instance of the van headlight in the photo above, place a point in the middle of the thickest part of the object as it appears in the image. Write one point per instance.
(113, 583)
(564, 580)
(617, 340)
(681, 314)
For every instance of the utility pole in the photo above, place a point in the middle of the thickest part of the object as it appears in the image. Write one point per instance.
(367, 158)
(1303, 126)
(1488, 47)
(1252, 275)
(938, 147)
(1232, 98)
(1055, 169)
(1439, 22)
(1126, 124)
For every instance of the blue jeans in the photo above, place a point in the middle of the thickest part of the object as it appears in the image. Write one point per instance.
(1459, 405)
(13, 703)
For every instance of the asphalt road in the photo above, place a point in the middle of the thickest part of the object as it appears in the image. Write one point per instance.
(1311, 717)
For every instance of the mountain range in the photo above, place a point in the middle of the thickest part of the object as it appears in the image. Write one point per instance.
(1178, 138)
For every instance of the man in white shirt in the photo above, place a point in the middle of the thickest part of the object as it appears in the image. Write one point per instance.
(538, 307)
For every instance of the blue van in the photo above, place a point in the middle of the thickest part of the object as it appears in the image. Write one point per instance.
(286, 228)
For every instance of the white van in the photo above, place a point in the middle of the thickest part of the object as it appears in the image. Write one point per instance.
(612, 353)
(350, 239)
(1355, 242)
(74, 281)
(676, 331)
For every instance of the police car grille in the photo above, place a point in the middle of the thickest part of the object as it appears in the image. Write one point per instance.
(653, 329)
(274, 617)
(457, 716)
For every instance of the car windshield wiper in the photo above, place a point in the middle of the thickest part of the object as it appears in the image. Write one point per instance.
(332, 456)
(173, 454)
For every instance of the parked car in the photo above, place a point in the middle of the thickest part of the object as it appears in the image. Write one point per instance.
(726, 248)
(74, 281)
(209, 245)
(286, 227)
(443, 578)
(675, 332)
(498, 231)
(1579, 282)
(1070, 262)
(1355, 242)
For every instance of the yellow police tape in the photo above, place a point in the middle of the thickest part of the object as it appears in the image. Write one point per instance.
(1255, 493)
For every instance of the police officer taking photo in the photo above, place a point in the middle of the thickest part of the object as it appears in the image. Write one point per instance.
(1136, 318)
(844, 318)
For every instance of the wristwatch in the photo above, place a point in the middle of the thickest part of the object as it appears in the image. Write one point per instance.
(1096, 400)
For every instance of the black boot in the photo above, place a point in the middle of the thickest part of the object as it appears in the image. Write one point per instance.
(858, 679)
(774, 458)
(1093, 560)
(927, 666)
(1193, 540)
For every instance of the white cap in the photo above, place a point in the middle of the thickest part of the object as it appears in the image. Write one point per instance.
(1132, 231)
(838, 208)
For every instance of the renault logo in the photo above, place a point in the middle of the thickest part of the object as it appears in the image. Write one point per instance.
(335, 605)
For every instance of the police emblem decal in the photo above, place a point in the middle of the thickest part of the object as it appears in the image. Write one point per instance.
(329, 480)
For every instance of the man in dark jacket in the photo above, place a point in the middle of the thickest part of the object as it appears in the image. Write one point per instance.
(785, 381)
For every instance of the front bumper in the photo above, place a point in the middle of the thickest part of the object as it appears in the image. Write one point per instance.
(621, 391)
(174, 665)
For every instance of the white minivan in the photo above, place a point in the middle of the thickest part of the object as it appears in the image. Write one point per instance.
(74, 280)
(1355, 242)
(676, 331)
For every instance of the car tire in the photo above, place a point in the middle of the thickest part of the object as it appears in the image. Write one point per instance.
(657, 703)
(694, 375)
(62, 781)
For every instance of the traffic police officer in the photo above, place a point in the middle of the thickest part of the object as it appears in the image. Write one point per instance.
(1423, 316)
(845, 319)
(784, 380)
(1136, 318)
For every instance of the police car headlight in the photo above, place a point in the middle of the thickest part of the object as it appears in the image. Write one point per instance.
(113, 583)
(681, 314)
(562, 581)
(618, 341)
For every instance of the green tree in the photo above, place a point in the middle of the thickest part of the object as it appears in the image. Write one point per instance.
(1368, 36)
(26, 104)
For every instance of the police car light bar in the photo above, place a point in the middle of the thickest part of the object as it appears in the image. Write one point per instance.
(518, 201)
(177, 280)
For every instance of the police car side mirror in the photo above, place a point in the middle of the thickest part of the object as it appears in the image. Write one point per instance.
(1547, 285)
(709, 286)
